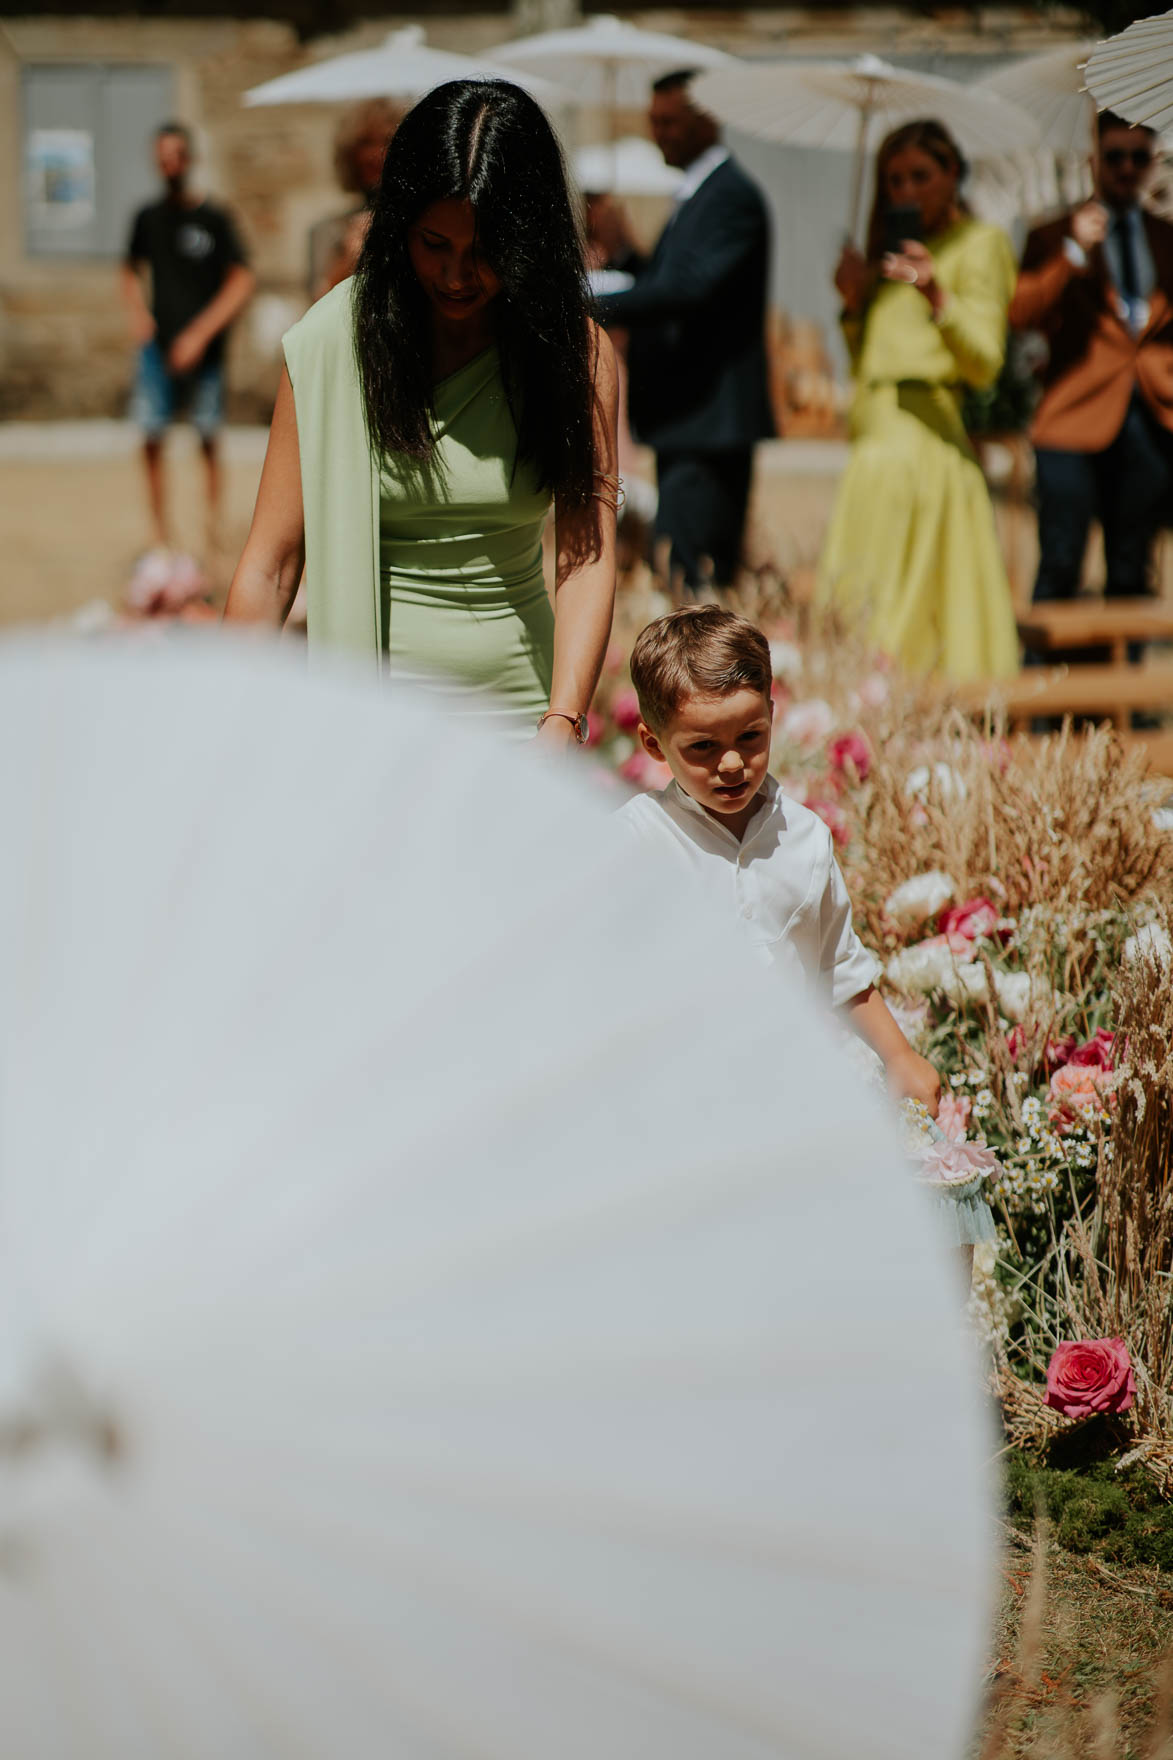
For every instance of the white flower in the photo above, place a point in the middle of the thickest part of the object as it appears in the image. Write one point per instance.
(966, 983)
(1151, 943)
(925, 966)
(940, 780)
(1015, 992)
(785, 659)
(915, 901)
(808, 723)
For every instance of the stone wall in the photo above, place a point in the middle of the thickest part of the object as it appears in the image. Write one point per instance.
(63, 345)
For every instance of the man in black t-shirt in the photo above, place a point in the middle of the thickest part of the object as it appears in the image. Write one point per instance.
(199, 282)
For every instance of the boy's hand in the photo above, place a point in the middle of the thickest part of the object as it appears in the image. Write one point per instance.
(912, 1077)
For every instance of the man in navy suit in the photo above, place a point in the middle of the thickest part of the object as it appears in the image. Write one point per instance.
(697, 357)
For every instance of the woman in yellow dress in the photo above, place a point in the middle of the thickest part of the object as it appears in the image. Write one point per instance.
(911, 543)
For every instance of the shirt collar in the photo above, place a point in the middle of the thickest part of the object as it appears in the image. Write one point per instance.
(771, 804)
(703, 166)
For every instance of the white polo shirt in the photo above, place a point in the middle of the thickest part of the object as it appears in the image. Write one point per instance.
(781, 882)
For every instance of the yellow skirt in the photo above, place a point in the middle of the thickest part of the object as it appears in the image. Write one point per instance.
(911, 546)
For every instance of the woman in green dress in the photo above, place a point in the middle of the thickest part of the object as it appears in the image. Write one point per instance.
(431, 410)
(911, 547)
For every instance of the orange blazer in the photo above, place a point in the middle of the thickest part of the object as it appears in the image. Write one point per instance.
(1095, 361)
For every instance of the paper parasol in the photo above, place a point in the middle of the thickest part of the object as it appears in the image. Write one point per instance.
(451, 1302)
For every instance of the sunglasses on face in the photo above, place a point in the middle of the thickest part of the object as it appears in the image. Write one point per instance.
(1139, 157)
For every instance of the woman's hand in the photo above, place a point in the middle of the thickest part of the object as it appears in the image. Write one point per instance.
(914, 264)
(852, 279)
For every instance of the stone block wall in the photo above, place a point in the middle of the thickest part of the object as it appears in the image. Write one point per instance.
(64, 351)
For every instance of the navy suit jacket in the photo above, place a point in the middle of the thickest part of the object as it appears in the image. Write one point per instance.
(697, 357)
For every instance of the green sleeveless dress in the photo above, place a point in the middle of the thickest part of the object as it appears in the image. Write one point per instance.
(430, 568)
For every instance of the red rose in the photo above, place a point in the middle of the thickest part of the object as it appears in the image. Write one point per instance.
(850, 752)
(977, 917)
(1094, 1375)
(1098, 1053)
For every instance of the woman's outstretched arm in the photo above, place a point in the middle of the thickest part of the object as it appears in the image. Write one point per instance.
(584, 581)
(270, 565)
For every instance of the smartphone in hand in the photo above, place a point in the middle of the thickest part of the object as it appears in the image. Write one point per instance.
(901, 224)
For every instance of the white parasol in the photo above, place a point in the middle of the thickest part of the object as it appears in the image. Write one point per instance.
(403, 65)
(1132, 73)
(631, 166)
(452, 1303)
(607, 62)
(848, 106)
(1050, 86)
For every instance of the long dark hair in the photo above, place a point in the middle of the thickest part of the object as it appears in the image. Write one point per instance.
(929, 137)
(487, 142)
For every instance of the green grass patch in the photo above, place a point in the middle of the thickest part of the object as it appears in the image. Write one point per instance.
(1120, 1518)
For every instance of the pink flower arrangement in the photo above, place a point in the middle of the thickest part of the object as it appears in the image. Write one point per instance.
(1089, 1376)
(625, 710)
(849, 754)
(974, 919)
(644, 771)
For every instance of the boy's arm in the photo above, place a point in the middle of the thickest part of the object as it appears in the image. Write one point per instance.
(909, 1075)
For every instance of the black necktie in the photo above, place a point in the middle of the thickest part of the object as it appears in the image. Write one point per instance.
(1129, 274)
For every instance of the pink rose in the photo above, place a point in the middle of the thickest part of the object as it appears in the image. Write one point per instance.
(850, 752)
(1077, 1090)
(953, 1116)
(1098, 1053)
(644, 772)
(976, 918)
(1089, 1376)
(625, 710)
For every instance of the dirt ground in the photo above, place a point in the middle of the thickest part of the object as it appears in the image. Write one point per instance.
(1083, 1665)
(73, 518)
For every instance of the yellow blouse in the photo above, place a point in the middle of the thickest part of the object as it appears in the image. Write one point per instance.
(898, 338)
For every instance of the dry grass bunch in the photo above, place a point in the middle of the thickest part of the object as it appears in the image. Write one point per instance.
(1063, 824)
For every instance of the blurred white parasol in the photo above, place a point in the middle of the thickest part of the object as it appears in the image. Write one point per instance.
(453, 1304)
(403, 65)
(849, 106)
(630, 166)
(1132, 73)
(606, 61)
(1050, 86)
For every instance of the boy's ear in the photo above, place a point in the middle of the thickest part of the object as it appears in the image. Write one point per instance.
(650, 743)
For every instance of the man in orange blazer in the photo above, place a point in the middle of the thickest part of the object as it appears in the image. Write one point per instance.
(1098, 283)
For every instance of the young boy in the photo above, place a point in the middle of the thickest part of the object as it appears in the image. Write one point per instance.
(703, 679)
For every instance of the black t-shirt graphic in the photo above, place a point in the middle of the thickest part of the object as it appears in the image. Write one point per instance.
(189, 251)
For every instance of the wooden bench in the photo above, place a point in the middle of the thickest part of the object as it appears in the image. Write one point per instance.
(1100, 692)
(1095, 623)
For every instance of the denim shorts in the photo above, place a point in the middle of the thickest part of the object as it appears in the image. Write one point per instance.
(159, 395)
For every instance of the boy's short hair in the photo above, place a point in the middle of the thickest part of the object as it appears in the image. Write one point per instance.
(700, 650)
